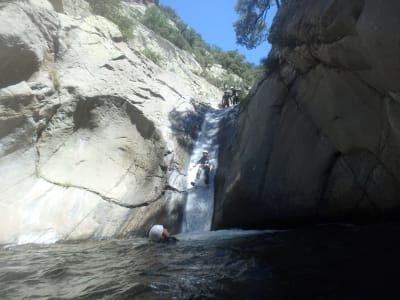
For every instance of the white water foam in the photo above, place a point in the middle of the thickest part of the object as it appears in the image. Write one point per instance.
(44, 237)
(200, 199)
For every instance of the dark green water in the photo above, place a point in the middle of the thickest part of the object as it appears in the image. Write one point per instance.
(321, 262)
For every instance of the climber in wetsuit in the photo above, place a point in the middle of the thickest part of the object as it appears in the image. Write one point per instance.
(225, 99)
(235, 96)
(204, 163)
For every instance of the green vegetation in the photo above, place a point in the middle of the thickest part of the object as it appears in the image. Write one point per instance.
(111, 9)
(54, 77)
(165, 22)
(251, 28)
(153, 56)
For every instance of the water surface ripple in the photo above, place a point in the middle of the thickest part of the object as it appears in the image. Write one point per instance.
(322, 262)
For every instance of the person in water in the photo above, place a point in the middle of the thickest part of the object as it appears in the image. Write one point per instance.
(159, 233)
(204, 163)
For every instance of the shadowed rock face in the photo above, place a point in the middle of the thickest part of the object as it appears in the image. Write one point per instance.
(318, 140)
(26, 43)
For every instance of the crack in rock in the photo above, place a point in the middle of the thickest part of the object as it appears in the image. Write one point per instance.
(103, 197)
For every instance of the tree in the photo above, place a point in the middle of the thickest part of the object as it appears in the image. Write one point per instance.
(251, 28)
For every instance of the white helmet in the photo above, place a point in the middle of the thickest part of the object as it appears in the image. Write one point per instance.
(205, 151)
(156, 232)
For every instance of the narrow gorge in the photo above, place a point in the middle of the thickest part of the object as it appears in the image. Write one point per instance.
(106, 108)
(96, 129)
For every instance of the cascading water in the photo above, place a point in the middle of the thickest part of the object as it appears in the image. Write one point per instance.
(204, 264)
(200, 199)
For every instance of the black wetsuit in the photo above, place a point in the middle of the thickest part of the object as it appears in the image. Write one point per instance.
(170, 239)
(205, 161)
(225, 100)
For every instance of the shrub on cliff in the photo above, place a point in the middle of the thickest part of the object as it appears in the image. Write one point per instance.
(165, 22)
(111, 9)
(157, 21)
(153, 56)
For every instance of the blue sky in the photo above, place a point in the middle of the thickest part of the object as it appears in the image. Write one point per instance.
(213, 20)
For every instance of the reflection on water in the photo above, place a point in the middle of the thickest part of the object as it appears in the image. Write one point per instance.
(323, 262)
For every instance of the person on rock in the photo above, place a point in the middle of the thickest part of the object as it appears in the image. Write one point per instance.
(225, 99)
(235, 96)
(159, 233)
(204, 163)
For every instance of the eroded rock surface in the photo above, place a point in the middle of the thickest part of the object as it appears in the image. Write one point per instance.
(319, 139)
(28, 32)
(94, 136)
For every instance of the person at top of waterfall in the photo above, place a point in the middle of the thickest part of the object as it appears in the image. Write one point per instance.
(159, 233)
(225, 99)
(235, 95)
(204, 163)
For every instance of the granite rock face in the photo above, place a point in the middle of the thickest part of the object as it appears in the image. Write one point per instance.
(94, 136)
(318, 140)
(28, 42)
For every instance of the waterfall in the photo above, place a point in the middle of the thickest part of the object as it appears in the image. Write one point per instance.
(198, 212)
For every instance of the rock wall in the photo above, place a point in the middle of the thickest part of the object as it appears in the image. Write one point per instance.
(318, 140)
(94, 137)
(25, 44)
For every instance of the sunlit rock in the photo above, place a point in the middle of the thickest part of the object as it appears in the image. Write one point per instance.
(94, 136)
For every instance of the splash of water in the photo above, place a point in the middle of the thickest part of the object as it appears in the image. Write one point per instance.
(200, 199)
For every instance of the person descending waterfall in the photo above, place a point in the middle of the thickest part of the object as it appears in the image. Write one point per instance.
(159, 233)
(203, 163)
